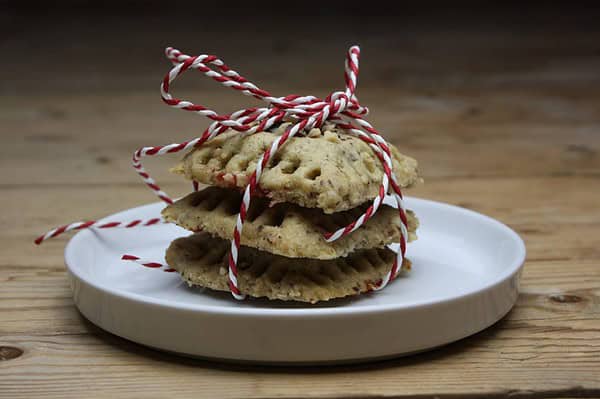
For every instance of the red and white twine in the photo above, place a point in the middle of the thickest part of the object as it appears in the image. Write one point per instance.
(305, 112)
(148, 263)
(96, 224)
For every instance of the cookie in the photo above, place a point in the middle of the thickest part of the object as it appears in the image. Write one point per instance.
(201, 260)
(325, 169)
(285, 229)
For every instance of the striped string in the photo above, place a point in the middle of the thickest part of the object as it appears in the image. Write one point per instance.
(306, 112)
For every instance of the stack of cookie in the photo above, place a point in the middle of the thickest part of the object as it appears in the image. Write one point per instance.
(314, 184)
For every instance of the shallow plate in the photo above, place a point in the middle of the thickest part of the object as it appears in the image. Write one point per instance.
(465, 276)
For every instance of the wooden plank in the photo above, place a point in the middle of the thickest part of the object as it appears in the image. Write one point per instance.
(28, 288)
(551, 213)
(502, 121)
(530, 140)
(548, 343)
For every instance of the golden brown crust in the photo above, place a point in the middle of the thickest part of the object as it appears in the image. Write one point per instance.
(326, 169)
(202, 260)
(285, 229)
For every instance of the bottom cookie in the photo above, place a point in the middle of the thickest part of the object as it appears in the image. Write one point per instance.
(201, 260)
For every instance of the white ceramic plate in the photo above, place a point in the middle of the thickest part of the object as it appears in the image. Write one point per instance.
(465, 277)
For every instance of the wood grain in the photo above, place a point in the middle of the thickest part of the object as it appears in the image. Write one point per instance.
(503, 122)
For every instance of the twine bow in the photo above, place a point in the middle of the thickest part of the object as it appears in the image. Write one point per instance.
(305, 112)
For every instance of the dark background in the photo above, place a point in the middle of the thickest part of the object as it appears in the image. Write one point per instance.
(435, 75)
(78, 45)
(438, 78)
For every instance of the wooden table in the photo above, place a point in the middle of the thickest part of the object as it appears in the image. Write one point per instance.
(505, 122)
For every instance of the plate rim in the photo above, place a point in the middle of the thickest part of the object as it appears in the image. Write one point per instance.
(254, 312)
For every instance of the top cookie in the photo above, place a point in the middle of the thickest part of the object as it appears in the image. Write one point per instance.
(325, 169)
